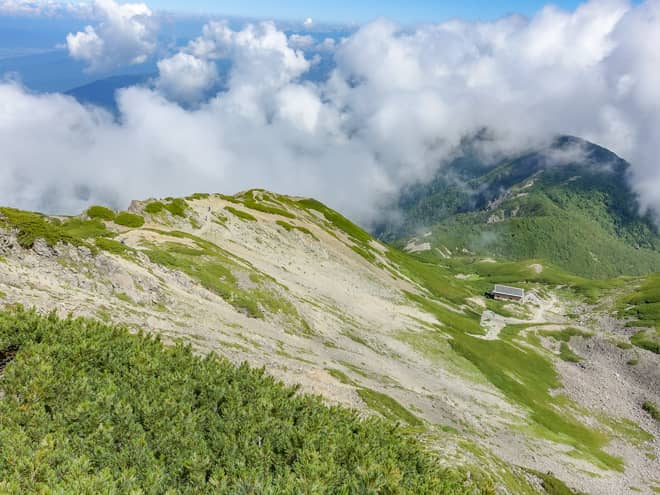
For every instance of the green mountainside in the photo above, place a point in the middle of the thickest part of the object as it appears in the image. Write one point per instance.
(427, 385)
(569, 204)
(642, 306)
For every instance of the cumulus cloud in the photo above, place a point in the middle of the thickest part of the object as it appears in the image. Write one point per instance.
(186, 78)
(263, 60)
(125, 35)
(396, 108)
(261, 54)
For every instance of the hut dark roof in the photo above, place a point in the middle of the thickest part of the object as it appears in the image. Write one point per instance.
(505, 290)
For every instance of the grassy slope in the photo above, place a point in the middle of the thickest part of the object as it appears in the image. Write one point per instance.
(643, 307)
(216, 270)
(580, 216)
(523, 375)
(33, 226)
(89, 409)
(213, 267)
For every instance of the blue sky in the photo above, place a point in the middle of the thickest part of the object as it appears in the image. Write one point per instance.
(362, 10)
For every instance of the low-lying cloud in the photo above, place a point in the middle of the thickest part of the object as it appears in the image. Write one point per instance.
(125, 35)
(186, 78)
(395, 108)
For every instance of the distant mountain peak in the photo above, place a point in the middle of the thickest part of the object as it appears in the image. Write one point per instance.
(562, 203)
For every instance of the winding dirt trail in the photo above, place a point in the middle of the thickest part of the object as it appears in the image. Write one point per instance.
(544, 311)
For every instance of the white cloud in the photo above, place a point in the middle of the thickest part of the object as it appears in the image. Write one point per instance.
(44, 8)
(125, 35)
(301, 41)
(300, 106)
(186, 78)
(394, 110)
(260, 53)
(262, 57)
(308, 23)
(327, 45)
(86, 45)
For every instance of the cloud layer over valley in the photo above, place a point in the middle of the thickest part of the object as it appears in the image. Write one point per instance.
(396, 107)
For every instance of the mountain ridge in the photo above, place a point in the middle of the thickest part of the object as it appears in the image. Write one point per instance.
(569, 204)
(290, 285)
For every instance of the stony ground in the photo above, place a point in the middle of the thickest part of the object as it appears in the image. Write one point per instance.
(355, 309)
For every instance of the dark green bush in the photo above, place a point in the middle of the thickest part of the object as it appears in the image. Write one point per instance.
(85, 229)
(552, 485)
(32, 226)
(177, 207)
(101, 212)
(129, 220)
(652, 409)
(89, 408)
(154, 207)
(649, 340)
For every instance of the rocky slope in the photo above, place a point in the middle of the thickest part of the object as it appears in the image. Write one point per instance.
(287, 284)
